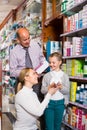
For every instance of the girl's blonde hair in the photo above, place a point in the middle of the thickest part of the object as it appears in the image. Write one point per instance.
(21, 78)
(57, 55)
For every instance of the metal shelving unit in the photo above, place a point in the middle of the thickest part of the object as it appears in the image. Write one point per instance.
(74, 57)
(66, 124)
(79, 105)
(76, 33)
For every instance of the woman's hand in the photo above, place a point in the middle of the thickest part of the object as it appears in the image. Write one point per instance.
(52, 88)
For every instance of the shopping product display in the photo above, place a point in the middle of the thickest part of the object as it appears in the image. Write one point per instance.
(75, 53)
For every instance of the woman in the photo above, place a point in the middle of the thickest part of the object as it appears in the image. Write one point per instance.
(27, 104)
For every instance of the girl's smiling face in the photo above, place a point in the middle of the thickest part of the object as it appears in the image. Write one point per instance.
(54, 63)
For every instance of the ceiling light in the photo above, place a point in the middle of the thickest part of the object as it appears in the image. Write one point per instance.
(38, 1)
(4, 1)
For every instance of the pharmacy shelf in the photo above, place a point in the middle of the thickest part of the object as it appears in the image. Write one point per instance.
(76, 8)
(78, 78)
(78, 105)
(72, 128)
(75, 33)
(75, 57)
(78, 32)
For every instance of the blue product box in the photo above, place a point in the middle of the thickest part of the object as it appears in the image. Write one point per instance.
(80, 24)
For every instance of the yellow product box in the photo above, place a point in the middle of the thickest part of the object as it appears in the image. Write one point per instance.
(73, 91)
(73, 67)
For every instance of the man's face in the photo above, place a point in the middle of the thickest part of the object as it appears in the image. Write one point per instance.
(24, 38)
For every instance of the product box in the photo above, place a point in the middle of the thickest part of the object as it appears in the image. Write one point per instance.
(42, 67)
(73, 91)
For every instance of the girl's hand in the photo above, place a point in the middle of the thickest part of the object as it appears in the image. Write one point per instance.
(59, 85)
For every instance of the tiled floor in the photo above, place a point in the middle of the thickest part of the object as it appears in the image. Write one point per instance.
(6, 124)
(8, 109)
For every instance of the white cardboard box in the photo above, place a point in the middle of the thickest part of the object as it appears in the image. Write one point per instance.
(42, 67)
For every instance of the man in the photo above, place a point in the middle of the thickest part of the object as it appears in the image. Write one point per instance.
(17, 54)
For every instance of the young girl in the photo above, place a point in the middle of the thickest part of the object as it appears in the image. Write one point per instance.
(55, 109)
(27, 105)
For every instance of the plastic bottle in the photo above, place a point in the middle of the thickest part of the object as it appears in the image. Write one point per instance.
(78, 94)
(81, 93)
(85, 68)
(85, 95)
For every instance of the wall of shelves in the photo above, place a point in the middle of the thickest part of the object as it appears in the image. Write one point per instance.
(49, 31)
(76, 80)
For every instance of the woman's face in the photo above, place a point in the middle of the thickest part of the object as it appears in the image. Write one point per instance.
(54, 63)
(31, 77)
